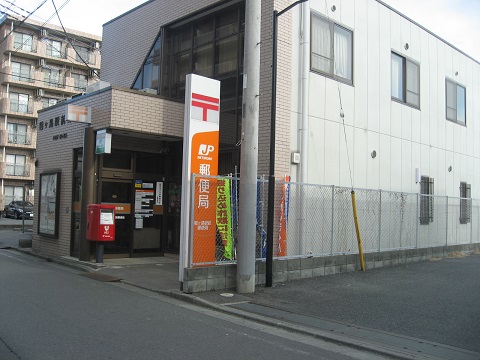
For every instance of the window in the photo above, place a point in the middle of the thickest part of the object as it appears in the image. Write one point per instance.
(149, 76)
(455, 100)
(17, 133)
(82, 54)
(54, 48)
(21, 72)
(426, 200)
(46, 102)
(465, 203)
(405, 80)
(16, 165)
(52, 77)
(331, 48)
(80, 82)
(23, 42)
(13, 193)
(20, 103)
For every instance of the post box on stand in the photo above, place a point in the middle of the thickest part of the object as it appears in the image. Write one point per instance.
(100, 226)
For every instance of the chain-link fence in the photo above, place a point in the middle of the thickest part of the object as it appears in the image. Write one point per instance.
(317, 220)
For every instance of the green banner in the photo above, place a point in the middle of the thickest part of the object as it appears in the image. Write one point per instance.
(224, 217)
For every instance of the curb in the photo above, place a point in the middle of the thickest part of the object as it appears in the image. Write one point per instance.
(381, 349)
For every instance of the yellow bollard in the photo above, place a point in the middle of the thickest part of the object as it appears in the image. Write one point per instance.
(357, 228)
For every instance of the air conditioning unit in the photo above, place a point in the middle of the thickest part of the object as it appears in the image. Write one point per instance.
(43, 33)
(39, 92)
(97, 45)
(92, 73)
(42, 63)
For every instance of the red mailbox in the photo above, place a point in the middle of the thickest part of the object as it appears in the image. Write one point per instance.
(100, 222)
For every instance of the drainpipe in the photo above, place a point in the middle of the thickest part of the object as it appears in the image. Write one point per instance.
(303, 178)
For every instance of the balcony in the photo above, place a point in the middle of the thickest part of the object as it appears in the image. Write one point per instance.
(92, 58)
(23, 109)
(28, 48)
(18, 140)
(17, 172)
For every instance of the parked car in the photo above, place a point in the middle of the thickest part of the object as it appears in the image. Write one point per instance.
(18, 208)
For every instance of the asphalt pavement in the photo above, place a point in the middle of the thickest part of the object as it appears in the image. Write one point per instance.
(425, 310)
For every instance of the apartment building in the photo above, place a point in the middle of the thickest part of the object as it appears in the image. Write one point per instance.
(40, 66)
(404, 99)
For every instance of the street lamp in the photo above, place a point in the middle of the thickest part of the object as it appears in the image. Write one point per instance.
(271, 178)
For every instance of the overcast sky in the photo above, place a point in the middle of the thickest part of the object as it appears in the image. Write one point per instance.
(456, 21)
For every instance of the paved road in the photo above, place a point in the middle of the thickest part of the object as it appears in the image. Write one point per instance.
(51, 312)
(437, 301)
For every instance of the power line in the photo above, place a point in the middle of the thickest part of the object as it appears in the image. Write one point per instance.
(68, 39)
(29, 79)
(21, 22)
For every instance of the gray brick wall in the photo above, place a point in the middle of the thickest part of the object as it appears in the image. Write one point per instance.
(111, 108)
(127, 39)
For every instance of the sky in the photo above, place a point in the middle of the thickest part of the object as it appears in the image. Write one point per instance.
(456, 21)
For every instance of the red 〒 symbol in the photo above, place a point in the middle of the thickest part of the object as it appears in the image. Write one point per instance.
(206, 103)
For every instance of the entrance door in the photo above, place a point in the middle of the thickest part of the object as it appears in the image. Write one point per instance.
(119, 193)
(148, 220)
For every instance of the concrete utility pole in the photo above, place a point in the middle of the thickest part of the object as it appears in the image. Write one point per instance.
(88, 190)
(249, 150)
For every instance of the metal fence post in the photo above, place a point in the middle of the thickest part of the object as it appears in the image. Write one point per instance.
(380, 223)
(417, 221)
(446, 223)
(333, 215)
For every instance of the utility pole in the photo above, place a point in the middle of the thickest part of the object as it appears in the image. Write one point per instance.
(249, 150)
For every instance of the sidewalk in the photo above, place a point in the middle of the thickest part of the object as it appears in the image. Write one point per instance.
(413, 311)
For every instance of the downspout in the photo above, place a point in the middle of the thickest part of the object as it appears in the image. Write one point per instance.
(303, 178)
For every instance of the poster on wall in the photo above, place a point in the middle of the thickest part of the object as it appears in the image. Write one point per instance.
(48, 207)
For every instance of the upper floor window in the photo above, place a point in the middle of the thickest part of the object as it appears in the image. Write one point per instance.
(21, 72)
(82, 54)
(331, 49)
(46, 102)
(16, 165)
(405, 80)
(19, 103)
(17, 133)
(80, 82)
(52, 77)
(149, 75)
(23, 41)
(456, 102)
(54, 48)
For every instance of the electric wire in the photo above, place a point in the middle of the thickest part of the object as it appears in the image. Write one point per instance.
(68, 39)
(51, 45)
(21, 22)
(342, 113)
(29, 79)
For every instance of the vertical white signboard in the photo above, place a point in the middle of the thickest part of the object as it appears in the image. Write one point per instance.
(200, 156)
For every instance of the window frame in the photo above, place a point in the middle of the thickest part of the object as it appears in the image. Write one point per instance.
(465, 202)
(28, 109)
(15, 135)
(332, 25)
(426, 200)
(21, 75)
(25, 45)
(76, 81)
(52, 50)
(16, 165)
(457, 86)
(405, 90)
